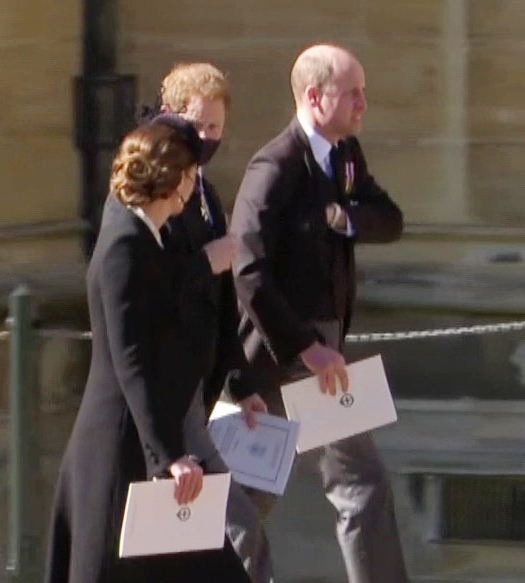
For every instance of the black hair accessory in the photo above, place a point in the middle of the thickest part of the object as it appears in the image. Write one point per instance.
(185, 129)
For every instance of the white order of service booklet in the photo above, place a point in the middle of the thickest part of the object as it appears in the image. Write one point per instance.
(262, 457)
(325, 418)
(155, 524)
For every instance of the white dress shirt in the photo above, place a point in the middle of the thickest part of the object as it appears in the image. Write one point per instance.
(321, 150)
(320, 146)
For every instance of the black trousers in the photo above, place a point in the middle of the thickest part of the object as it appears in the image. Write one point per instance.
(356, 483)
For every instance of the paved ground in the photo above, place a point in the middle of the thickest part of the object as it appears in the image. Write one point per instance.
(430, 437)
(301, 530)
(434, 436)
(301, 526)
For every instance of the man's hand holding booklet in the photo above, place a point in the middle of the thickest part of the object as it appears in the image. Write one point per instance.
(260, 457)
(324, 418)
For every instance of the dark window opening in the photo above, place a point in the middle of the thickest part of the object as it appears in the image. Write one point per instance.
(483, 508)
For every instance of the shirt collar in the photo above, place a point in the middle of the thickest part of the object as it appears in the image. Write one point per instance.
(137, 210)
(320, 146)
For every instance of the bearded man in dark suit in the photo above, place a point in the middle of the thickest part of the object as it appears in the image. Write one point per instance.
(306, 199)
(197, 240)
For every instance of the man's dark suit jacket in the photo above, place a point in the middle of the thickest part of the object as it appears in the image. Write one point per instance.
(284, 267)
(209, 301)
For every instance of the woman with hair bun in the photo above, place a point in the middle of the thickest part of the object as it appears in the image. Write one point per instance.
(141, 382)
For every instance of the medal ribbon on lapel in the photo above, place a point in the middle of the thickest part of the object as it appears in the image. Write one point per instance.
(205, 212)
(349, 176)
(343, 168)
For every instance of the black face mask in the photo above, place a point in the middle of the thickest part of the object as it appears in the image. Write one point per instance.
(209, 147)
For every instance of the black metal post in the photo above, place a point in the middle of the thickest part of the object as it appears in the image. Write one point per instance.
(105, 109)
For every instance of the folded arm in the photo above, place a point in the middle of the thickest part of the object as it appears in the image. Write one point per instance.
(373, 216)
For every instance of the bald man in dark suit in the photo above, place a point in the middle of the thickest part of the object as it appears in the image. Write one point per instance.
(306, 199)
(198, 243)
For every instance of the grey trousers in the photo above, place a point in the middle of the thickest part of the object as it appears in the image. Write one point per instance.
(243, 525)
(356, 484)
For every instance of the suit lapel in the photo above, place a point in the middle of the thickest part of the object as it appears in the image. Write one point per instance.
(312, 168)
(302, 143)
(196, 231)
(319, 186)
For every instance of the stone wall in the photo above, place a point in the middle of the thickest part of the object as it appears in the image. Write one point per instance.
(442, 76)
(40, 54)
(445, 84)
(444, 133)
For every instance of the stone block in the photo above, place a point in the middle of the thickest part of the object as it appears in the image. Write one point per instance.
(246, 22)
(30, 22)
(495, 20)
(40, 179)
(188, 20)
(398, 21)
(4, 378)
(63, 366)
(423, 180)
(36, 87)
(497, 183)
(406, 90)
(39, 164)
(304, 23)
(54, 271)
(496, 90)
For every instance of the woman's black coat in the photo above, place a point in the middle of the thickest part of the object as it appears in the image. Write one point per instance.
(129, 426)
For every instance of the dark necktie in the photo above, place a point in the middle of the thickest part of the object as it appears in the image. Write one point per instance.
(340, 261)
(336, 160)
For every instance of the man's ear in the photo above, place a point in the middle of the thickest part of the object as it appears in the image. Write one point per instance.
(312, 96)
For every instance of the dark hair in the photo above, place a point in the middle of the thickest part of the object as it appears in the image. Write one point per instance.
(152, 158)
